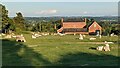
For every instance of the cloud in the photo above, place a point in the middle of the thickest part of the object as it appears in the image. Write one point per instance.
(85, 12)
(47, 12)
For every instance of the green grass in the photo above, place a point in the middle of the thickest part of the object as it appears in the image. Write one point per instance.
(58, 51)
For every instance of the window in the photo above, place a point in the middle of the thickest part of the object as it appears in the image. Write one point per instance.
(94, 25)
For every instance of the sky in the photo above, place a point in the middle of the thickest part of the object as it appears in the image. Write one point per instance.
(59, 0)
(41, 9)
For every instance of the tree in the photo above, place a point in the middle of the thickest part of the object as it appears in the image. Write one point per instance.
(106, 27)
(7, 23)
(19, 22)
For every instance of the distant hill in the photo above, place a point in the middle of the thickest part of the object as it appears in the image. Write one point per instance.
(113, 19)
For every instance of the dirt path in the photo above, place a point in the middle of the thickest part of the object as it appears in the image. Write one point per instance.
(94, 42)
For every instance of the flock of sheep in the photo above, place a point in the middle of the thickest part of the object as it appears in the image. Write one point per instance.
(99, 48)
(21, 38)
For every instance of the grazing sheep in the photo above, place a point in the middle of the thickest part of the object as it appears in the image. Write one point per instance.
(8, 36)
(112, 34)
(106, 47)
(45, 34)
(99, 48)
(55, 34)
(37, 35)
(100, 36)
(61, 34)
(20, 38)
(92, 38)
(81, 37)
(74, 33)
(3, 34)
(13, 36)
(33, 36)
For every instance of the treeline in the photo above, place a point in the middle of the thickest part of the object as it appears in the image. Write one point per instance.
(48, 24)
(42, 26)
(14, 24)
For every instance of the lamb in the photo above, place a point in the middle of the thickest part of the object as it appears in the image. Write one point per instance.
(92, 38)
(74, 33)
(3, 34)
(99, 48)
(37, 35)
(61, 34)
(20, 38)
(14, 36)
(33, 36)
(100, 36)
(81, 37)
(112, 34)
(106, 47)
(8, 36)
(55, 34)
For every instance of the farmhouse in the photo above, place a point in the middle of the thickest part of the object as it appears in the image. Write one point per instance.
(79, 27)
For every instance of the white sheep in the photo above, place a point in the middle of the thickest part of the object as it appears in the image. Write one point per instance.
(112, 34)
(3, 34)
(61, 34)
(14, 36)
(99, 48)
(100, 36)
(92, 38)
(81, 37)
(33, 36)
(20, 38)
(106, 47)
(8, 36)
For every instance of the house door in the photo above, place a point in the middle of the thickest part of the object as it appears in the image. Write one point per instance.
(97, 32)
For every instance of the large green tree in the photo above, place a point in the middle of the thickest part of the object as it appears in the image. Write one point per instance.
(19, 22)
(7, 23)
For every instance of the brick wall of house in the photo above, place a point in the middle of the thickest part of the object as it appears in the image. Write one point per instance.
(95, 26)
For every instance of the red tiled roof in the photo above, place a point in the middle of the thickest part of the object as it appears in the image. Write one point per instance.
(73, 24)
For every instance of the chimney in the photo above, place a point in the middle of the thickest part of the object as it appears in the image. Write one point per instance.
(62, 20)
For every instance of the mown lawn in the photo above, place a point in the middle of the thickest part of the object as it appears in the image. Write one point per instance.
(58, 51)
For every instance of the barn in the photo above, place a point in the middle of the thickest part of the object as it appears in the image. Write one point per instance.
(79, 27)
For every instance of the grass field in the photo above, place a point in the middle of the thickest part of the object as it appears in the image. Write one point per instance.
(58, 51)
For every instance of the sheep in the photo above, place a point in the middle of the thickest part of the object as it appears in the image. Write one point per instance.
(20, 38)
(45, 34)
(74, 33)
(13, 36)
(81, 37)
(8, 36)
(106, 47)
(33, 36)
(3, 34)
(61, 34)
(37, 35)
(92, 38)
(55, 34)
(112, 34)
(100, 48)
(100, 36)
